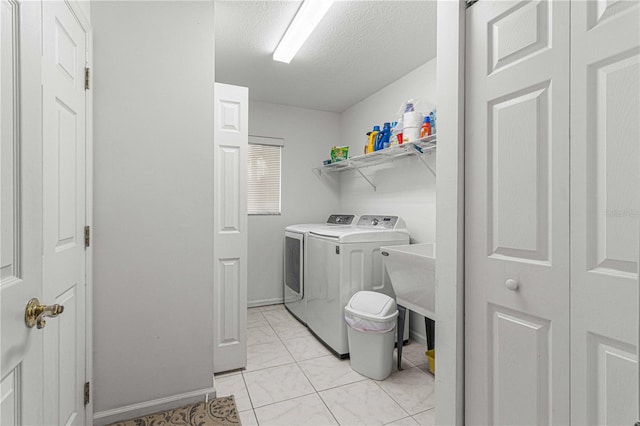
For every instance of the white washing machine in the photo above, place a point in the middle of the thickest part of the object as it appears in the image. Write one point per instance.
(341, 262)
(295, 237)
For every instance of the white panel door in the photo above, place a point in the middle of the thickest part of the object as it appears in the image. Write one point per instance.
(64, 145)
(605, 211)
(517, 213)
(231, 136)
(20, 211)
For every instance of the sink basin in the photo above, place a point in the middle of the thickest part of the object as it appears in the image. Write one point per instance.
(412, 270)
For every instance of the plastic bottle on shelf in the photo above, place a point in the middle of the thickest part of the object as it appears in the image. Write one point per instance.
(376, 143)
(373, 137)
(385, 136)
(432, 116)
(426, 127)
(393, 140)
(408, 107)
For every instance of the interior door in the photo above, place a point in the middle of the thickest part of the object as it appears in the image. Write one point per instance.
(605, 211)
(21, 374)
(231, 137)
(64, 145)
(517, 213)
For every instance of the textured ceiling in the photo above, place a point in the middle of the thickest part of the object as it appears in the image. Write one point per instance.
(358, 48)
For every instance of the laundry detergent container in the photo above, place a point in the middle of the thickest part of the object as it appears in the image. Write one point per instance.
(371, 321)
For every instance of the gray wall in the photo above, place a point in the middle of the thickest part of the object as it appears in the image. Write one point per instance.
(405, 187)
(153, 112)
(308, 137)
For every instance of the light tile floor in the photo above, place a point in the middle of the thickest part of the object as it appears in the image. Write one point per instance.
(292, 379)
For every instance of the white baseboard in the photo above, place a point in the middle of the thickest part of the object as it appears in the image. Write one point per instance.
(264, 302)
(149, 407)
(418, 337)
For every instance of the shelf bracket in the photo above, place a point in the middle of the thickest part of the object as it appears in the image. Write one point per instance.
(366, 178)
(424, 161)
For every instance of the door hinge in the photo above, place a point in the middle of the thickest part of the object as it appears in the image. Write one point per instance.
(87, 393)
(87, 76)
(87, 236)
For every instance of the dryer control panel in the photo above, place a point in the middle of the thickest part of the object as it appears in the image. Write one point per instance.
(340, 219)
(382, 222)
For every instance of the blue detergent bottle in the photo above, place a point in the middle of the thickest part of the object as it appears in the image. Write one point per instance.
(384, 136)
(432, 117)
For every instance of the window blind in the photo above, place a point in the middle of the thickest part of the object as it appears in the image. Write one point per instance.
(263, 184)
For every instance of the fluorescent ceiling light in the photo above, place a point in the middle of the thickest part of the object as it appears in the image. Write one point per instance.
(303, 24)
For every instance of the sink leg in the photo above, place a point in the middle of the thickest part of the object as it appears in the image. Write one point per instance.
(430, 327)
(402, 312)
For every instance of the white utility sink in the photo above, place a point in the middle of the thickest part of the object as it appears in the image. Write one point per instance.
(412, 270)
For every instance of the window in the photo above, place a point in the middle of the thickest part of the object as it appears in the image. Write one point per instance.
(263, 184)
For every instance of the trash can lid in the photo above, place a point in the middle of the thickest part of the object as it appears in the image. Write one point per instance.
(371, 304)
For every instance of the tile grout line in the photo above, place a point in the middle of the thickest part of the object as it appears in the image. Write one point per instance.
(394, 400)
(422, 412)
(279, 339)
(247, 389)
(284, 400)
(325, 404)
(294, 362)
(316, 390)
(307, 377)
(253, 408)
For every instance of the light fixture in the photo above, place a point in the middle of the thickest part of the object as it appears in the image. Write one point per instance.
(303, 24)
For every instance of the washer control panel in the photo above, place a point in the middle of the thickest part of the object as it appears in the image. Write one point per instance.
(382, 222)
(341, 219)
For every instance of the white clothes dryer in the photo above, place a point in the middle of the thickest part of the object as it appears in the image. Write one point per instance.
(295, 237)
(341, 262)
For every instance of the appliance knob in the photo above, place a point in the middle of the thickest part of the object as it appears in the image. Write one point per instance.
(374, 221)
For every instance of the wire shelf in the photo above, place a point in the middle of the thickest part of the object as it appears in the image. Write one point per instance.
(420, 146)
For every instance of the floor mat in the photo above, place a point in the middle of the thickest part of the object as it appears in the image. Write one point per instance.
(217, 412)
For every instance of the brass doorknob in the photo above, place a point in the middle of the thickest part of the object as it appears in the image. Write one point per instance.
(36, 313)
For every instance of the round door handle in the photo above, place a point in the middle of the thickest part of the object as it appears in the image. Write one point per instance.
(512, 284)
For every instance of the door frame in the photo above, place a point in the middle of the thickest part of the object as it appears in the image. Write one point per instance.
(85, 23)
(451, 18)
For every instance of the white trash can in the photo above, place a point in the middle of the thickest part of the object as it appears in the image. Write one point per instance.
(371, 322)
